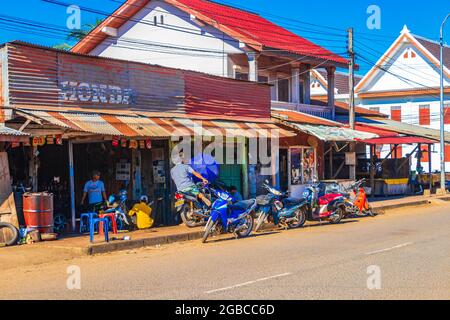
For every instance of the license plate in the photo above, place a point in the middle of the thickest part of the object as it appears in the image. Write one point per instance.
(179, 203)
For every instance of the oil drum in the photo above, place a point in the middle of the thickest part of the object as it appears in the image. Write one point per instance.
(38, 211)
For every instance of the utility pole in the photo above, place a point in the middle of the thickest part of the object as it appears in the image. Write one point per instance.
(351, 79)
(442, 142)
(351, 115)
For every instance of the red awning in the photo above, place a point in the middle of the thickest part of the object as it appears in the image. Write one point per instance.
(398, 140)
(380, 132)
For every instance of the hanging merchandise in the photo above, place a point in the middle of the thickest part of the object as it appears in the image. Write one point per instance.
(123, 142)
(38, 141)
(142, 144)
(59, 140)
(115, 141)
(148, 143)
(50, 140)
(133, 144)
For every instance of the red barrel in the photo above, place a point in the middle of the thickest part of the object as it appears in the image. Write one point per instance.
(38, 211)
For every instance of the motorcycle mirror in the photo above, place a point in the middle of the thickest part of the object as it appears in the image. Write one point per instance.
(266, 181)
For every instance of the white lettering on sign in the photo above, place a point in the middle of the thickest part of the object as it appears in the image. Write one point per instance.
(95, 93)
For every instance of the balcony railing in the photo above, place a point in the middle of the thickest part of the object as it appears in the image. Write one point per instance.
(318, 111)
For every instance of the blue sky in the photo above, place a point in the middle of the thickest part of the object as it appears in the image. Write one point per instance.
(422, 18)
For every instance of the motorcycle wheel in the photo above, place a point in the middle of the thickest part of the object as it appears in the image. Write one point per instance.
(188, 218)
(370, 212)
(339, 215)
(261, 218)
(246, 232)
(208, 229)
(301, 219)
(13, 234)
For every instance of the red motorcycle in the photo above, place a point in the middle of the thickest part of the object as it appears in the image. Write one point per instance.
(321, 206)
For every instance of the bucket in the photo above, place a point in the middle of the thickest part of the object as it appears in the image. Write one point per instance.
(38, 211)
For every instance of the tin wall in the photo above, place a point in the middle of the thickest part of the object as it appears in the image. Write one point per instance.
(41, 77)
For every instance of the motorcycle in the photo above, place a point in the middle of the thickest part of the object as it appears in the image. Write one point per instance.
(279, 208)
(228, 216)
(193, 211)
(117, 206)
(356, 201)
(320, 206)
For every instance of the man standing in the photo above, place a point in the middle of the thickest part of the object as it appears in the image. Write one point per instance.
(94, 189)
(182, 174)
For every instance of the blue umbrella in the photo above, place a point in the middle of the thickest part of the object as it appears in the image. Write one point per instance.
(206, 165)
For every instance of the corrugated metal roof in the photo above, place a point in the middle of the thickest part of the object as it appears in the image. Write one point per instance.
(337, 134)
(403, 128)
(136, 126)
(300, 117)
(398, 140)
(5, 131)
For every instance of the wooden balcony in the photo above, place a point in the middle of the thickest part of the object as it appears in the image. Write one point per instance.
(314, 110)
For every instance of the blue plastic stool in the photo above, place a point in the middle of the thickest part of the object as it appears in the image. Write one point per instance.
(96, 221)
(88, 217)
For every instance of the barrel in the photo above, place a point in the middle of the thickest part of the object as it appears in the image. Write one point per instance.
(38, 211)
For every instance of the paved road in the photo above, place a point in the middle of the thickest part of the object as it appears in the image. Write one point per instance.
(408, 248)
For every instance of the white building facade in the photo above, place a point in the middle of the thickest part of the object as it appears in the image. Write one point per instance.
(404, 84)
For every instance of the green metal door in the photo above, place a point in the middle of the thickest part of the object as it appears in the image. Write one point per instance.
(231, 175)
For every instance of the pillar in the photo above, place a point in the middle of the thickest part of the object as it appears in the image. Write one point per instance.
(331, 86)
(307, 85)
(252, 66)
(72, 186)
(274, 86)
(295, 85)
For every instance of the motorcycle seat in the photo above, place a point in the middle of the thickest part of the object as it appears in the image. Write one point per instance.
(292, 201)
(263, 200)
(243, 205)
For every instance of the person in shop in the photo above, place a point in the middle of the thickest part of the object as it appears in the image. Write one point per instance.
(143, 213)
(182, 174)
(95, 191)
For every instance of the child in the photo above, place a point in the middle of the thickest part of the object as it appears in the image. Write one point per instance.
(143, 214)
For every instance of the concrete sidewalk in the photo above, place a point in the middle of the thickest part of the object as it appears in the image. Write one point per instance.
(75, 246)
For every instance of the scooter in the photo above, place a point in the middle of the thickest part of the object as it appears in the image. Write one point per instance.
(228, 216)
(119, 208)
(193, 211)
(356, 201)
(279, 208)
(323, 207)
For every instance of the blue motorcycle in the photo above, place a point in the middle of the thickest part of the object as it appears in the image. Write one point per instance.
(278, 208)
(228, 216)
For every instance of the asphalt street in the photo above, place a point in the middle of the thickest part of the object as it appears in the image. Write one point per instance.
(404, 254)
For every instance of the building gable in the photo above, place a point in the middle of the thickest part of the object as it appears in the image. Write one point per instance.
(407, 65)
(165, 35)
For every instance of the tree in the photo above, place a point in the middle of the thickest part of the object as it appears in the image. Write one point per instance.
(78, 34)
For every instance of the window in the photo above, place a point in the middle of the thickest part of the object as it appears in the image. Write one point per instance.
(447, 153)
(162, 19)
(241, 75)
(396, 113)
(424, 115)
(155, 20)
(424, 150)
(397, 154)
(283, 90)
(263, 79)
(447, 113)
(303, 165)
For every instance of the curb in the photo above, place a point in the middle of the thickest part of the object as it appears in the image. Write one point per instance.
(402, 205)
(102, 248)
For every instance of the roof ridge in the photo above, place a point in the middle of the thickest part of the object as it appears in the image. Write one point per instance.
(431, 41)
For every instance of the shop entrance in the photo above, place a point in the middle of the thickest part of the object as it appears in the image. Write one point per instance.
(138, 171)
(231, 175)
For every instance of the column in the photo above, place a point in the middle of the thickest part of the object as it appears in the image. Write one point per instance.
(274, 86)
(331, 86)
(295, 85)
(72, 186)
(252, 66)
(307, 85)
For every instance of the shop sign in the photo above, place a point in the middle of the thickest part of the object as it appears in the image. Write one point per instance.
(95, 93)
(38, 141)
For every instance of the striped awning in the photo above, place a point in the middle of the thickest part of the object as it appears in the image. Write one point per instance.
(140, 126)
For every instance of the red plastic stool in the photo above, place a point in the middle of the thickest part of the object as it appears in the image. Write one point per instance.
(111, 217)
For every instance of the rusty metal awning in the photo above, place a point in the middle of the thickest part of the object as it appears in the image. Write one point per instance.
(12, 135)
(140, 126)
